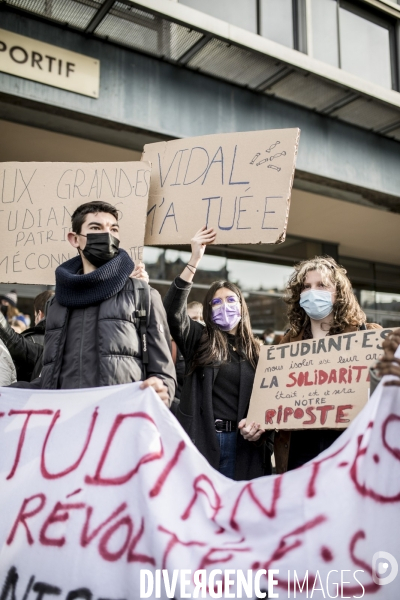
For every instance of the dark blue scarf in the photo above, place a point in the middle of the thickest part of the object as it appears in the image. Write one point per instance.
(78, 291)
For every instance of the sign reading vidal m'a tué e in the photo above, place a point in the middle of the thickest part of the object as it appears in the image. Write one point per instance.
(238, 183)
(31, 59)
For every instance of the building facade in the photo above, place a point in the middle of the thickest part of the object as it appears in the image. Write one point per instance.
(173, 69)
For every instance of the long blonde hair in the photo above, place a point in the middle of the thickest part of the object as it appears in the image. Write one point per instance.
(346, 310)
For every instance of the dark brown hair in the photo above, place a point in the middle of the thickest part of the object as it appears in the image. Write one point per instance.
(39, 302)
(213, 346)
(346, 310)
(79, 215)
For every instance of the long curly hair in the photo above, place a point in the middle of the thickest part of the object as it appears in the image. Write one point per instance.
(346, 310)
(213, 346)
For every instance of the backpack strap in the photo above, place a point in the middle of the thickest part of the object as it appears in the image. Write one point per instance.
(142, 315)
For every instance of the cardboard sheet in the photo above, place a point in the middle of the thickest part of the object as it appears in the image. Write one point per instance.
(237, 183)
(315, 384)
(38, 199)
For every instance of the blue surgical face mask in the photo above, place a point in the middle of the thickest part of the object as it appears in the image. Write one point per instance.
(317, 304)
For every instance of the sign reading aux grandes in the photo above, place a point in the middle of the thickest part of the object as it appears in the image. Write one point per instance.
(315, 384)
(237, 183)
(38, 199)
(28, 58)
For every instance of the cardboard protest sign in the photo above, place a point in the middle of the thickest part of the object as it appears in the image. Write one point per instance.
(38, 199)
(237, 183)
(314, 384)
(103, 495)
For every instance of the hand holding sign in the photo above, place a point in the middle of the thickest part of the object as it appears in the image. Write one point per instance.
(140, 272)
(389, 364)
(199, 241)
(251, 432)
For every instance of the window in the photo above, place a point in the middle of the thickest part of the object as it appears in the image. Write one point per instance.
(325, 31)
(276, 21)
(353, 39)
(242, 13)
(381, 307)
(365, 47)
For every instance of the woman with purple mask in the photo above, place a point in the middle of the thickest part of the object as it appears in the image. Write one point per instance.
(221, 357)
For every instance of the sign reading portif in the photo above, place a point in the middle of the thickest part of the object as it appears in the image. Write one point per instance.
(238, 183)
(31, 59)
(315, 384)
(38, 199)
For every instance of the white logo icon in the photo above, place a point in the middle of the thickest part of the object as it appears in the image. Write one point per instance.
(382, 563)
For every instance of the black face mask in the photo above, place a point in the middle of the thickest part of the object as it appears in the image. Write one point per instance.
(100, 248)
(4, 309)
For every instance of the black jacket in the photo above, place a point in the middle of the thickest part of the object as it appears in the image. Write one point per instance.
(26, 348)
(195, 411)
(103, 342)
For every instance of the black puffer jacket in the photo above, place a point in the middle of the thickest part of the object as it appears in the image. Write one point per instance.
(99, 345)
(26, 348)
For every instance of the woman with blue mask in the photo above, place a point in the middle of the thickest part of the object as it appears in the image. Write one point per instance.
(221, 357)
(320, 302)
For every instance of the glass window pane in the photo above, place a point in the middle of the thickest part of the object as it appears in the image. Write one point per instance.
(381, 307)
(210, 269)
(266, 312)
(256, 276)
(242, 13)
(324, 31)
(151, 254)
(276, 21)
(364, 48)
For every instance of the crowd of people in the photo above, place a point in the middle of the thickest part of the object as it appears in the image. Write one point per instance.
(104, 325)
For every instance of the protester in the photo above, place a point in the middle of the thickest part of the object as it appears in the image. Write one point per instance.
(320, 302)
(26, 347)
(389, 364)
(18, 323)
(92, 325)
(271, 338)
(7, 368)
(268, 337)
(8, 305)
(195, 311)
(221, 358)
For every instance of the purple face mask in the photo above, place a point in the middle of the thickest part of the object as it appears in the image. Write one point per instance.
(226, 316)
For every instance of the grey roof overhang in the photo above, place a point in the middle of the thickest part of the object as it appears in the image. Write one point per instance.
(194, 40)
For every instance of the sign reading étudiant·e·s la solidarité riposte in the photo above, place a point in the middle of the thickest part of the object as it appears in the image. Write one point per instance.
(238, 183)
(315, 384)
(38, 199)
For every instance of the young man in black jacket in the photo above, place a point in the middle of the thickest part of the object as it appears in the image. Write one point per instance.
(92, 336)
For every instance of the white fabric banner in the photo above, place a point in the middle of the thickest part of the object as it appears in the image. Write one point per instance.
(104, 496)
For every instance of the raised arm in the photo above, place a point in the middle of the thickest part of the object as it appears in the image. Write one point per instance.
(185, 332)
(198, 243)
